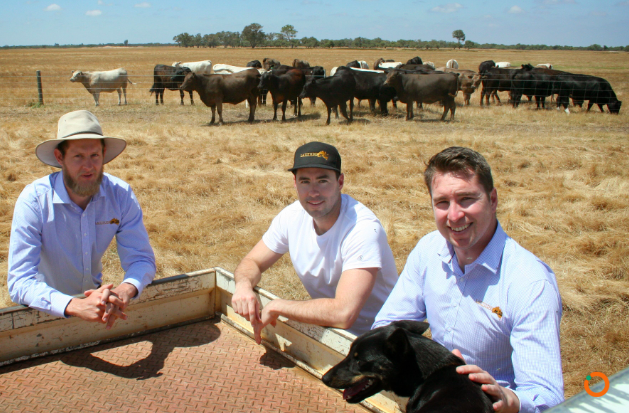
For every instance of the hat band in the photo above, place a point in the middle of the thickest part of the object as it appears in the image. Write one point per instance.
(81, 133)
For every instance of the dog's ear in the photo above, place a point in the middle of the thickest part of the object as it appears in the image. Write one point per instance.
(415, 327)
(397, 344)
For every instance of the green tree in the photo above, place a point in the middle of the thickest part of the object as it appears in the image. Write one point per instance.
(197, 40)
(253, 34)
(184, 39)
(126, 43)
(289, 33)
(210, 40)
(459, 35)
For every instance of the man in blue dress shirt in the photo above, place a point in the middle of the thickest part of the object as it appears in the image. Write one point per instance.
(486, 298)
(63, 224)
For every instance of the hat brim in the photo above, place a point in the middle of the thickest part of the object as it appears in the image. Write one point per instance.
(45, 151)
(316, 165)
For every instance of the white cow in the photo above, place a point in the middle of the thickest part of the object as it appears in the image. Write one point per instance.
(366, 70)
(223, 69)
(363, 64)
(545, 65)
(108, 81)
(452, 64)
(389, 65)
(202, 67)
(431, 64)
(503, 64)
(335, 68)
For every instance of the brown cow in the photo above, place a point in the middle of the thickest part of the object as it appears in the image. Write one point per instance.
(268, 63)
(300, 64)
(284, 88)
(425, 88)
(164, 78)
(469, 81)
(214, 90)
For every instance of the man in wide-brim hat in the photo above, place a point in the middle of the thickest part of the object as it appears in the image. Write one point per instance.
(64, 222)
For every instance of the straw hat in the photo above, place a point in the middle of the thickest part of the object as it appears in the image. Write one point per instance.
(80, 124)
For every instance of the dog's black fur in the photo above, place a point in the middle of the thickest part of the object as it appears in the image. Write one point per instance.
(398, 358)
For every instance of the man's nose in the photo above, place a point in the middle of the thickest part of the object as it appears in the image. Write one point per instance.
(455, 212)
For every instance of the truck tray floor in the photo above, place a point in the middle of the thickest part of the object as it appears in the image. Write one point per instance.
(201, 367)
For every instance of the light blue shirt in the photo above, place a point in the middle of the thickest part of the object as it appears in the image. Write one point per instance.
(56, 247)
(502, 312)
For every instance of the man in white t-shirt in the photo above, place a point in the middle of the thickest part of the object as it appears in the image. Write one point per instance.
(338, 248)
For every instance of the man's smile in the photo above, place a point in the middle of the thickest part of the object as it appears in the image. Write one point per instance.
(461, 228)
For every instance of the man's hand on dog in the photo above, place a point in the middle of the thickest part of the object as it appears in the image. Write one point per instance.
(246, 304)
(505, 400)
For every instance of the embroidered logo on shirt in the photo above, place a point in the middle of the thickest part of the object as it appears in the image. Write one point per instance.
(113, 221)
(322, 154)
(495, 310)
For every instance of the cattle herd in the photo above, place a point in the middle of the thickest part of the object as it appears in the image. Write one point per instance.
(389, 81)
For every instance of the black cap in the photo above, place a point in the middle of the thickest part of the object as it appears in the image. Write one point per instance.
(317, 155)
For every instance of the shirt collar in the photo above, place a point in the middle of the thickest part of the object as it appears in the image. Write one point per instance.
(60, 192)
(61, 196)
(490, 257)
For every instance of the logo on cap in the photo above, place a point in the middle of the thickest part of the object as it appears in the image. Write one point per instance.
(322, 154)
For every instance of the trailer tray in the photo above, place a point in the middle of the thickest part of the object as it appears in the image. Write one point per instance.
(183, 349)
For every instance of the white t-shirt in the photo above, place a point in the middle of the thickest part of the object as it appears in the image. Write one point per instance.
(356, 240)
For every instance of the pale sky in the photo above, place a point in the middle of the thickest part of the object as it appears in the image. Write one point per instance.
(551, 22)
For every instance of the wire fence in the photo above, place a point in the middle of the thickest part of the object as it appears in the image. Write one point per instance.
(22, 90)
(56, 88)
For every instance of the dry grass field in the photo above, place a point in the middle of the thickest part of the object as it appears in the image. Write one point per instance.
(210, 192)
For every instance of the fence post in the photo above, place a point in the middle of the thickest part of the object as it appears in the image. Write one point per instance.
(39, 88)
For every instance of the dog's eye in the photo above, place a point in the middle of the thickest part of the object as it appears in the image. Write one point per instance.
(356, 354)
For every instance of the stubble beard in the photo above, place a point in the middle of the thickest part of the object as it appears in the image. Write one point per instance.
(83, 190)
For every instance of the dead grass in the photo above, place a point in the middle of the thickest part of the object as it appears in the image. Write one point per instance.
(209, 193)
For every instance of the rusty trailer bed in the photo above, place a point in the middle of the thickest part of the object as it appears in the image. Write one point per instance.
(183, 349)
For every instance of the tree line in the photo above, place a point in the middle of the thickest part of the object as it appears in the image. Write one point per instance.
(253, 36)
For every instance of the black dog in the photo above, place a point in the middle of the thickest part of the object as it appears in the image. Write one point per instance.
(398, 358)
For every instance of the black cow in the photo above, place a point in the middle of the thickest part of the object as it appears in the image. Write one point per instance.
(585, 87)
(485, 66)
(262, 97)
(428, 88)
(284, 88)
(529, 82)
(370, 86)
(554, 72)
(495, 80)
(317, 72)
(415, 61)
(163, 79)
(334, 90)
(417, 68)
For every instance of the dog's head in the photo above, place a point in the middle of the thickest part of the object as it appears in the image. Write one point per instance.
(381, 359)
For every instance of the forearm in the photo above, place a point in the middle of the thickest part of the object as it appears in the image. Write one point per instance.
(326, 312)
(247, 273)
(28, 291)
(140, 274)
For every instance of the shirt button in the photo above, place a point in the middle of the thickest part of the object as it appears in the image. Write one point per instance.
(86, 253)
(85, 234)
